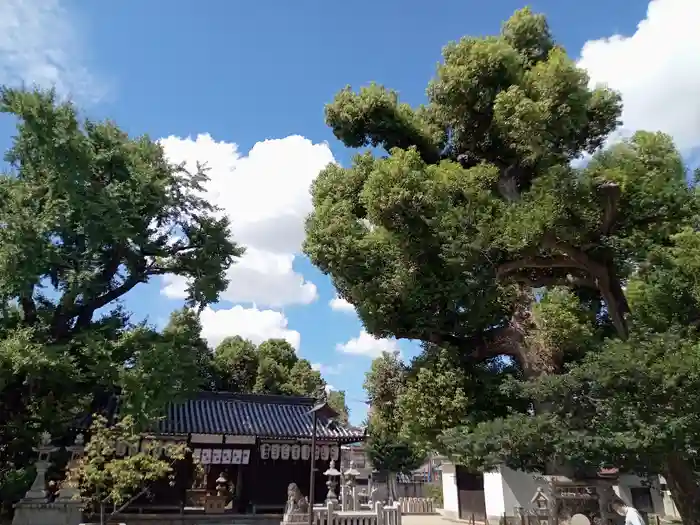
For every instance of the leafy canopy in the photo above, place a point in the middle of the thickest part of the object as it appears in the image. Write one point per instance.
(478, 194)
(88, 213)
(484, 233)
(272, 367)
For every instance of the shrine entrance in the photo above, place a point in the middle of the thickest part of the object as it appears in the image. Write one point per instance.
(470, 494)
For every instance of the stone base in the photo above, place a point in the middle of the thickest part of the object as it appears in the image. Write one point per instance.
(33, 512)
(295, 519)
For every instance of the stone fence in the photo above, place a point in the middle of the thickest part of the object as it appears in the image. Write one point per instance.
(379, 515)
(417, 505)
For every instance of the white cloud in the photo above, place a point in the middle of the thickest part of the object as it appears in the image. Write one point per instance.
(329, 388)
(657, 71)
(368, 345)
(327, 369)
(266, 195)
(259, 277)
(249, 323)
(340, 305)
(40, 45)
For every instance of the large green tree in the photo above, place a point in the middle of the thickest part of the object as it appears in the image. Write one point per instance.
(389, 451)
(273, 367)
(88, 213)
(477, 204)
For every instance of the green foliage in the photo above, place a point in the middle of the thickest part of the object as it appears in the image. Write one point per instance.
(88, 214)
(442, 392)
(384, 384)
(475, 234)
(387, 449)
(434, 491)
(273, 367)
(166, 367)
(236, 364)
(102, 476)
(393, 454)
(336, 400)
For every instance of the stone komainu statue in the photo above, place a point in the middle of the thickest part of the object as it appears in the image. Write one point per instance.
(296, 502)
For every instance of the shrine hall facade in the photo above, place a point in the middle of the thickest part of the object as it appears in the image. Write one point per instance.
(259, 443)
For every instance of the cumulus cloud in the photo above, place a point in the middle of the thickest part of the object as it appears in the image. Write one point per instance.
(40, 45)
(657, 71)
(340, 305)
(259, 277)
(368, 345)
(265, 194)
(250, 323)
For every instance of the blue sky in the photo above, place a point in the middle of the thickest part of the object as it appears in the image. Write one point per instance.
(207, 75)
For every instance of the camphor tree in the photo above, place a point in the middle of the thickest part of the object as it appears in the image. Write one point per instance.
(389, 451)
(477, 205)
(89, 213)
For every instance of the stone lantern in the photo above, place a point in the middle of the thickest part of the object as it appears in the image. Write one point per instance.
(351, 486)
(331, 474)
(69, 491)
(44, 450)
(222, 485)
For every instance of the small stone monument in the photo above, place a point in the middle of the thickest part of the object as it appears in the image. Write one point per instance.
(297, 509)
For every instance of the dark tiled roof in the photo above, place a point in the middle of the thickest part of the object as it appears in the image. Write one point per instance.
(266, 416)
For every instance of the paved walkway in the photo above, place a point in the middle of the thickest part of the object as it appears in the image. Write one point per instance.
(422, 519)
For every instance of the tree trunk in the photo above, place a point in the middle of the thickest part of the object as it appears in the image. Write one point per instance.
(391, 487)
(683, 483)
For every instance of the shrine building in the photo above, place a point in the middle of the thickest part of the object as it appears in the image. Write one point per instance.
(259, 443)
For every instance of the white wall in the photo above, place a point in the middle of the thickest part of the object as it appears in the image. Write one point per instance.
(493, 493)
(518, 489)
(625, 483)
(450, 497)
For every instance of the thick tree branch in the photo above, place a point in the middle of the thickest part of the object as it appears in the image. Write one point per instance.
(598, 275)
(533, 262)
(28, 308)
(87, 310)
(610, 194)
(493, 343)
(606, 282)
(552, 280)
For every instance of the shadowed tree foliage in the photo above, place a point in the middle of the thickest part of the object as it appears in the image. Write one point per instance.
(478, 206)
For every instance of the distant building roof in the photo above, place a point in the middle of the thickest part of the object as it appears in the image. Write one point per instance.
(265, 416)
